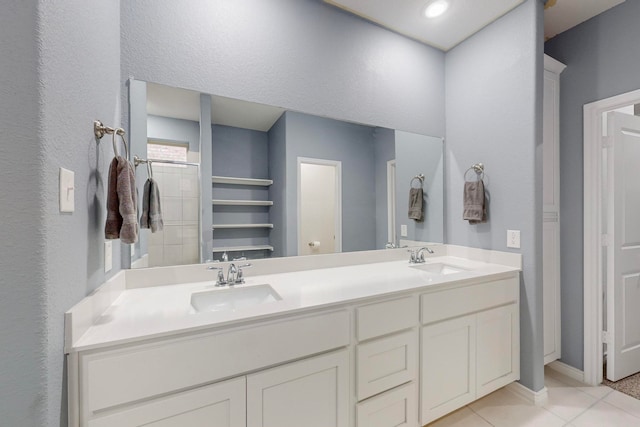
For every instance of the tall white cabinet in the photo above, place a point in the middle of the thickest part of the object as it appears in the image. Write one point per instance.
(551, 201)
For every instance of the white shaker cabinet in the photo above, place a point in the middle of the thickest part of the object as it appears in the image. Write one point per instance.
(448, 367)
(551, 202)
(219, 405)
(312, 393)
(470, 344)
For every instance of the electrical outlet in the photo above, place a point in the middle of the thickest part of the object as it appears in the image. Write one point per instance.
(513, 239)
(108, 256)
(403, 230)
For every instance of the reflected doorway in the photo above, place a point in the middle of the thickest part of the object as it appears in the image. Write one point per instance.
(319, 206)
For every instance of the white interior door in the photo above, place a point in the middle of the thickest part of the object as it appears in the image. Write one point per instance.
(319, 207)
(623, 252)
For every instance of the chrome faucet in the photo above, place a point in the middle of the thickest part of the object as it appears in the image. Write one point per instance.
(231, 274)
(417, 256)
(220, 280)
(235, 275)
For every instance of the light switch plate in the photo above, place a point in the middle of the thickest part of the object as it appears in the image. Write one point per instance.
(513, 239)
(67, 190)
(403, 230)
(108, 256)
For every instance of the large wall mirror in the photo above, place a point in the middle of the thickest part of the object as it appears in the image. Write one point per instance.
(239, 179)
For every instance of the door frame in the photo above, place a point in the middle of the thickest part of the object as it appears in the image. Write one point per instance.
(391, 201)
(338, 214)
(593, 232)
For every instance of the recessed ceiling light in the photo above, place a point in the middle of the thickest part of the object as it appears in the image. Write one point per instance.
(436, 8)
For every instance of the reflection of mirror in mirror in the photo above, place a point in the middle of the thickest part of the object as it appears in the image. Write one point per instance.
(284, 182)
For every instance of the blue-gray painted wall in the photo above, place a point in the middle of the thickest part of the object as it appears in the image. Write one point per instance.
(420, 154)
(171, 129)
(240, 153)
(53, 85)
(352, 145)
(603, 59)
(494, 116)
(278, 190)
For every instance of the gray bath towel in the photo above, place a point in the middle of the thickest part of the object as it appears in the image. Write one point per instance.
(416, 205)
(151, 211)
(474, 209)
(122, 221)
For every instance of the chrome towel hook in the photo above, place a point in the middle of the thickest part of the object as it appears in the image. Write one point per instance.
(478, 168)
(100, 130)
(419, 177)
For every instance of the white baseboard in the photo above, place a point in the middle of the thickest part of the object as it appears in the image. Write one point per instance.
(566, 370)
(537, 398)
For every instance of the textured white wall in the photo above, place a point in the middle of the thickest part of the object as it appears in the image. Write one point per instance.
(494, 116)
(299, 54)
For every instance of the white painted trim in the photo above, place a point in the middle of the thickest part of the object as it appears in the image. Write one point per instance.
(566, 370)
(537, 398)
(391, 201)
(338, 165)
(553, 65)
(593, 286)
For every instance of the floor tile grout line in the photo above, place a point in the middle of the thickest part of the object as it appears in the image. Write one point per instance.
(622, 409)
(598, 400)
(486, 420)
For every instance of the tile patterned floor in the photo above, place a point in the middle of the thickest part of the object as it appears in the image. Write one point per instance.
(570, 404)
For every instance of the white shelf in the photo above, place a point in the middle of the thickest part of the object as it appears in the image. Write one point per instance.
(221, 202)
(241, 181)
(219, 226)
(243, 248)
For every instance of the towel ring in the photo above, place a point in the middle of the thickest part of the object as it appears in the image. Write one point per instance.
(478, 168)
(419, 178)
(119, 131)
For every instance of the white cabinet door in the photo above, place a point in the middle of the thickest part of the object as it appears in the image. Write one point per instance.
(311, 393)
(219, 405)
(448, 366)
(498, 349)
(551, 287)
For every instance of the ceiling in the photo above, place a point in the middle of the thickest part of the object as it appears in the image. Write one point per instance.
(184, 104)
(560, 15)
(466, 17)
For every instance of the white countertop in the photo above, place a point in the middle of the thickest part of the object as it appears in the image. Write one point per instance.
(150, 312)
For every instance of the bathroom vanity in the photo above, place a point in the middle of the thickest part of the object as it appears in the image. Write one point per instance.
(361, 339)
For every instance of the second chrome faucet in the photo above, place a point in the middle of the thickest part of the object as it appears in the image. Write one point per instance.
(235, 275)
(416, 256)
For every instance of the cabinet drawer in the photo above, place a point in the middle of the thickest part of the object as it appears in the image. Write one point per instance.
(383, 318)
(221, 404)
(117, 377)
(386, 363)
(395, 408)
(450, 303)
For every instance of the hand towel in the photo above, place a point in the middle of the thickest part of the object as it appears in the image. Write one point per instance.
(151, 211)
(474, 208)
(114, 219)
(127, 201)
(416, 206)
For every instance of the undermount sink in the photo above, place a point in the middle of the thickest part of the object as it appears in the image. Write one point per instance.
(438, 268)
(233, 298)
